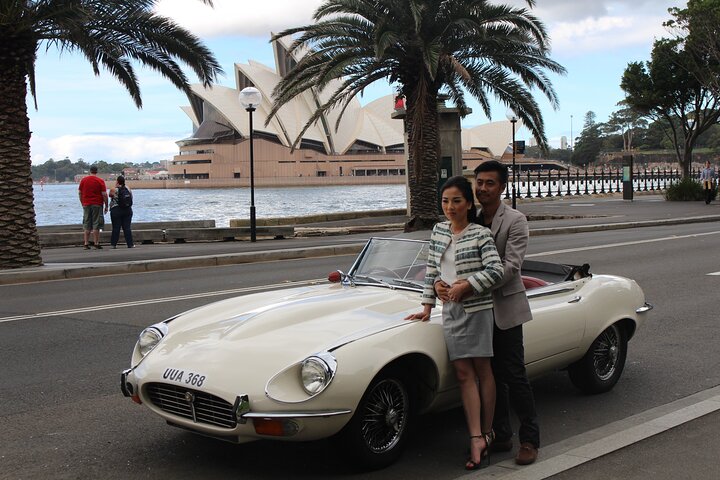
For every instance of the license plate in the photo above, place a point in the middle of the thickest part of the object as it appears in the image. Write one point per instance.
(187, 378)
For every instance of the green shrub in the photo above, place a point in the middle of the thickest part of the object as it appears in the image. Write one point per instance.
(686, 190)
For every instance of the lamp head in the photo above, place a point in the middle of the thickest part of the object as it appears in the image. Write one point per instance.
(511, 115)
(250, 98)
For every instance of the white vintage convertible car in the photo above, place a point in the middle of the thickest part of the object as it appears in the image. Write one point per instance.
(337, 359)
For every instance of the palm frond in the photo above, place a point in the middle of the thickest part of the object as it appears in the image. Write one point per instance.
(465, 47)
(111, 34)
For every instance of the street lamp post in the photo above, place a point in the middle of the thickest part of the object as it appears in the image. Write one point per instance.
(512, 116)
(250, 98)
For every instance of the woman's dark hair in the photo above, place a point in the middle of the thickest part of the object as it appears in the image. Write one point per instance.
(121, 180)
(466, 188)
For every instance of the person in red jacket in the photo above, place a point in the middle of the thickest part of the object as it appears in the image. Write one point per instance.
(93, 196)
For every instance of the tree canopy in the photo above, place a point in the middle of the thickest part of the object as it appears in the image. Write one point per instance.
(673, 87)
(589, 144)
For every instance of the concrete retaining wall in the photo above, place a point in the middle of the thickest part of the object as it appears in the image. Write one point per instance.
(322, 217)
(153, 232)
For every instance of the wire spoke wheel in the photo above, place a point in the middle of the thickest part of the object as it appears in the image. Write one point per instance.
(605, 353)
(600, 369)
(384, 415)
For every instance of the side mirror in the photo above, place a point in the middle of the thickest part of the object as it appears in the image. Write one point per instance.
(336, 276)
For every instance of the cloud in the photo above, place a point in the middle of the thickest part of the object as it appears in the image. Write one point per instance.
(574, 25)
(111, 148)
(239, 17)
(573, 10)
(586, 26)
(603, 34)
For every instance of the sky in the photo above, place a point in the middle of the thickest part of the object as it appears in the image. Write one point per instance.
(83, 116)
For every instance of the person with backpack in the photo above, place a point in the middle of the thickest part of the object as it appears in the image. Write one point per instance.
(121, 201)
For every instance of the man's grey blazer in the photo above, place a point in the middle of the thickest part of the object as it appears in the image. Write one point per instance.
(510, 232)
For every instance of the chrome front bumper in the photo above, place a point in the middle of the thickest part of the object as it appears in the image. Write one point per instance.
(242, 406)
(125, 387)
(645, 308)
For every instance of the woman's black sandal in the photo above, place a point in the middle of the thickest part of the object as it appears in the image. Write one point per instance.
(484, 457)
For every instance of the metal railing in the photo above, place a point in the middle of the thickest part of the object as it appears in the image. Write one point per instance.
(559, 183)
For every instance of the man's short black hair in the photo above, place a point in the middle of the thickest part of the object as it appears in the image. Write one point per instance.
(93, 169)
(494, 166)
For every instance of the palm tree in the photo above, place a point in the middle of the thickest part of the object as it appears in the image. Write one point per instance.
(110, 34)
(423, 46)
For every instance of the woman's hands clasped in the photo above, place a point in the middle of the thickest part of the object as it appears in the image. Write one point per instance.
(452, 293)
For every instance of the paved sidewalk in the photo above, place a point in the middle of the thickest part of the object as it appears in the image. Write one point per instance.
(673, 441)
(687, 451)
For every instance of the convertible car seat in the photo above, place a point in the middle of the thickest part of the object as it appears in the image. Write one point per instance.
(532, 282)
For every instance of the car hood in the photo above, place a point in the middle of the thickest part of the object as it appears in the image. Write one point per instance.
(290, 324)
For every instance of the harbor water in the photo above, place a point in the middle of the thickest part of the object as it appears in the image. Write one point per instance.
(60, 205)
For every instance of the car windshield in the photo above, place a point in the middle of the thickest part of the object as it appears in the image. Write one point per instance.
(392, 263)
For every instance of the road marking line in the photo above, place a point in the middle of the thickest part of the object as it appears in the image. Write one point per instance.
(621, 244)
(309, 282)
(160, 300)
(714, 273)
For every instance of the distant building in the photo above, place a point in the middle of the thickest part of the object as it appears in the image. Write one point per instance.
(161, 174)
(366, 142)
(563, 143)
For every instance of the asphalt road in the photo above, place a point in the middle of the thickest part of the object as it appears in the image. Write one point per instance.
(64, 417)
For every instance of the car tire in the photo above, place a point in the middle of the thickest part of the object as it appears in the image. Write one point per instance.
(377, 433)
(600, 369)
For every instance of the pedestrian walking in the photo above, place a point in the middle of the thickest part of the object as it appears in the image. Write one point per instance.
(707, 177)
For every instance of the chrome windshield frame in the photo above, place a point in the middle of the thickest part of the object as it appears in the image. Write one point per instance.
(386, 283)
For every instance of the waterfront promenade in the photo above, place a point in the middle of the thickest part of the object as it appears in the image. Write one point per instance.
(547, 217)
(674, 440)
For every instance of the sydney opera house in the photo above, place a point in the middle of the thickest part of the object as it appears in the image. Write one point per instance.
(367, 142)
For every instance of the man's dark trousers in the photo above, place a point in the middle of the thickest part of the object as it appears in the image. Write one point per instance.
(511, 380)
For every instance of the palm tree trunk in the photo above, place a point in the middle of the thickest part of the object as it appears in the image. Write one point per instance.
(423, 154)
(19, 242)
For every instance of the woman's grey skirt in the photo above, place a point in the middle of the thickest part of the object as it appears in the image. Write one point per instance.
(467, 334)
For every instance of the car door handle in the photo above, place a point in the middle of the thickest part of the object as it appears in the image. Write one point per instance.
(574, 300)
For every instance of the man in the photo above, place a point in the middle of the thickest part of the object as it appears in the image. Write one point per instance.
(510, 231)
(93, 195)
(707, 177)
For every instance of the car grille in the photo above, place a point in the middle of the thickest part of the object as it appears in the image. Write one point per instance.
(200, 407)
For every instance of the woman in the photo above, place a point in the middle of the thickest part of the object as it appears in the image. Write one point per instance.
(121, 213)
(462, 250)
(707, 177)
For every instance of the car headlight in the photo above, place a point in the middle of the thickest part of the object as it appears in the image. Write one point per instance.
(317, 372)
(150, 337)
